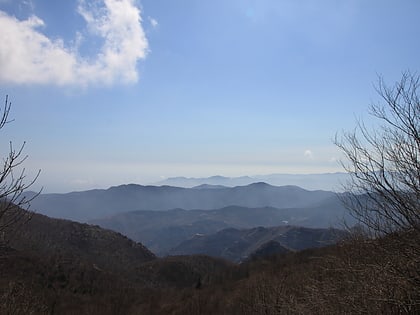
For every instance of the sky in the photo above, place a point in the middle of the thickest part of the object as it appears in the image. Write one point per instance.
(107, 92)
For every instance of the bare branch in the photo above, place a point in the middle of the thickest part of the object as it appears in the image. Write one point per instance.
(13, 182)
(384, 163)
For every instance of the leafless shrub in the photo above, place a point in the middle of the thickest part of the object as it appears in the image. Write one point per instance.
(384, 196)
(13, 181)
(384, 163)
(19, 299)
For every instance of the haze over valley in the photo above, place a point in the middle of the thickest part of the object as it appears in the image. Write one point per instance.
(163, 217)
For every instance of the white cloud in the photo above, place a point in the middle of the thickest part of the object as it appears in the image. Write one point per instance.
(153, 22)
(308, 154)
(28, 56)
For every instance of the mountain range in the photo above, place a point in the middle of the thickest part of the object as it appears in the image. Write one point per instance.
(163, 217)
(88, 205)
(326, 181)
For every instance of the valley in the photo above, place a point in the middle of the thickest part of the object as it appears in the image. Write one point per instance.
(156, 223)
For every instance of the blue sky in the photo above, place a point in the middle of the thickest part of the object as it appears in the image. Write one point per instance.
(120, 91)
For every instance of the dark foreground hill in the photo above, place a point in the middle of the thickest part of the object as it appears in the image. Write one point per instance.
(349, 278)
(54, 266)
(88, 205)
(105, 249)
(74, 244)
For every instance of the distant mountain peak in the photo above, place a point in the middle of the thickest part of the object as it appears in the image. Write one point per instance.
(324, 181)
(126, 186)
(218, 177)
(259, 184)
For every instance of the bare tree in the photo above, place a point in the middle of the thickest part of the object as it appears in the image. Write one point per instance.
(13, 181)
(384, 191)
(384, 195)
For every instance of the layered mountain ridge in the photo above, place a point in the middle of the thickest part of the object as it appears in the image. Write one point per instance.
(87, 205)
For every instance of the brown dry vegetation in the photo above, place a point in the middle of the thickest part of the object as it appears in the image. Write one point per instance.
(355, 277)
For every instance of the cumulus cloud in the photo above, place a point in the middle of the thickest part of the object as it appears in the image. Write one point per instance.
(308, 154)
(28, 56)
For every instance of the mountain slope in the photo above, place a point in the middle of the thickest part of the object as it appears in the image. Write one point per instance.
(103, 248)
(268, 249)
(162, 230)
(52, 266)
(237, 245)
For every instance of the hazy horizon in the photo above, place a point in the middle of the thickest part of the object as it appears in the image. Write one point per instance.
(329, 181)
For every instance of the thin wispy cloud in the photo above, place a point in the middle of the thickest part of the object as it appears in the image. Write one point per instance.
(333, 159)
(153, 22)
(27, 56)
(308, 154)
(28, 3)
